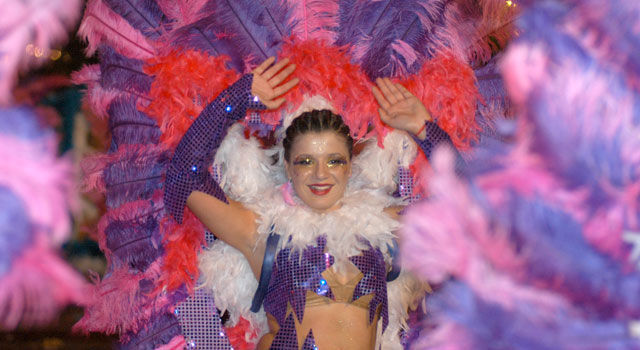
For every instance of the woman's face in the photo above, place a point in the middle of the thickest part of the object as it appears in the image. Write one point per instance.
(319, 168)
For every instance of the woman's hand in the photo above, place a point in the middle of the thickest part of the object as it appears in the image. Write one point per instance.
(267, 81)
(399, 108)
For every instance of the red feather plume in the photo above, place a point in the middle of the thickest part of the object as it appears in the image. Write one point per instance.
(185, 82)
(333, 76)
(182, 245)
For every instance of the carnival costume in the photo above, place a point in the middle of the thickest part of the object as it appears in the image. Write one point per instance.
(155, 77)
(301, 263)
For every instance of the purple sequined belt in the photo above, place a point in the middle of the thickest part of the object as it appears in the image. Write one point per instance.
(294, 274)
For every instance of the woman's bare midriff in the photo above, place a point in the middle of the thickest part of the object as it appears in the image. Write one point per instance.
(334, 325)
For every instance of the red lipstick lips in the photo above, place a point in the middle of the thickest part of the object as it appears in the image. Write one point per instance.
(320, 189)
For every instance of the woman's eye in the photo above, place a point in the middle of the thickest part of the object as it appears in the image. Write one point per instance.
(336, 162)
(303, 162)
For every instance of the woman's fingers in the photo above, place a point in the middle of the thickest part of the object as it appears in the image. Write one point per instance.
(380, 97)
(403, 90)
(282, 89)
(384, 116)
(280, 77)
(387, 92)
(264, 65)
(397, 95)
(382, 85)
(275, 69)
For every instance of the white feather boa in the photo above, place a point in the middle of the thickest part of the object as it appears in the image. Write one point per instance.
(250, 175)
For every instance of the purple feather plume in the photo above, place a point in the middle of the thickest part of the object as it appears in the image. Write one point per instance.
(559, 258)
(129, 234)
(15, 229)
(130, 126)
(136, 174)
(461, 319)
(123, 73)
(143, 15)
(96, 97)
(134, 243)
(391, 38)
(239, 29)
(162, 328)
(495, 107)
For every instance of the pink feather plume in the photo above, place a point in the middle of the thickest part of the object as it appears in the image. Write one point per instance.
(100, 25)
(97, 98)
(44, 182)
(30, 29)
(459, 234)
(478, 29)
(450, 236)
(314, 18)
(116, 304)
(38, 285)
(182, 12)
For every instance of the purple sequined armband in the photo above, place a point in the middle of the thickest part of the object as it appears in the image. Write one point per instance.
(437, 137)
(188, 170)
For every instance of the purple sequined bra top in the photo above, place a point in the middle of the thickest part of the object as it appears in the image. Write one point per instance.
(296, 275)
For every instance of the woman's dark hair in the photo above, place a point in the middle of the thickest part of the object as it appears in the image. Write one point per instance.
(316, 121)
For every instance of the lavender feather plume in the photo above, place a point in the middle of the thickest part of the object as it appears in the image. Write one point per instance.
(143, 15)
(163, 327)
(130, 126)
(135, 174)
(13, 219)
(122, 73)
(464, 320)
(243, 30)
(390, 38)
(495, 108)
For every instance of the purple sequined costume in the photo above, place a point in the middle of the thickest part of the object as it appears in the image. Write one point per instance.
(188, 170)
(295, 273)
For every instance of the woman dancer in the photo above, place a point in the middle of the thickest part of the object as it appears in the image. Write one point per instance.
(320, 248)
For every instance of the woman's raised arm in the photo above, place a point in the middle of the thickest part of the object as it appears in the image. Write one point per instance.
(400, 109)
(188, 180)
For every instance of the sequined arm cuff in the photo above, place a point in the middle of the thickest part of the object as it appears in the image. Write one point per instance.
(437, 137)
(188, 170)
